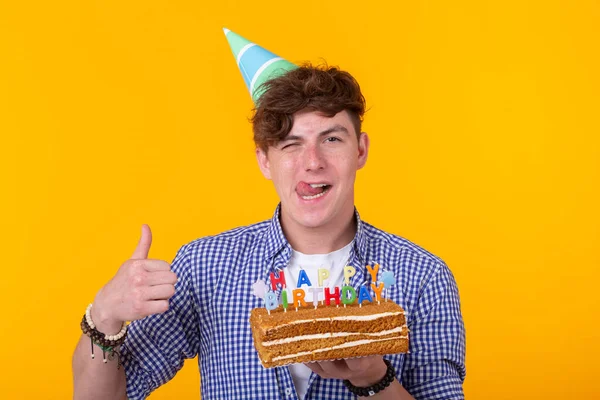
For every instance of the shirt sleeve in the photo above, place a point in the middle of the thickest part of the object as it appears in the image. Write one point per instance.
(156, 346)
(435, 365)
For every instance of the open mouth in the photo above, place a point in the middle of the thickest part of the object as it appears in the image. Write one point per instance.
(311, 191)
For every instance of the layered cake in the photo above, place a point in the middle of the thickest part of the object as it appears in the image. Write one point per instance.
(328, 332)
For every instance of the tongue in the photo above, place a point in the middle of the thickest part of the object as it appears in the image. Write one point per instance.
(304, 189)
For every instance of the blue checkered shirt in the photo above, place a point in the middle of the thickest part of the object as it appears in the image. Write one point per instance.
(209, 316)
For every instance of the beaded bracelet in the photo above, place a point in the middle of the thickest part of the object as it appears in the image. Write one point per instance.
(88, 318)
(369, 391)
(108, 343)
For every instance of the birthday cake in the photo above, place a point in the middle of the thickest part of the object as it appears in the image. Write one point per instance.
(328, 332)
(347, 323)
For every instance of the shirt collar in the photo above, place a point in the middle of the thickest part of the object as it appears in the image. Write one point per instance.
(276, 242)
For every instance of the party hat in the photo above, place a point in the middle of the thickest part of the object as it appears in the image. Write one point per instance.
(256, 64)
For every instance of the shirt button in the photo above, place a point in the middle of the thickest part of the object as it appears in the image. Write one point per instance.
(288, 391)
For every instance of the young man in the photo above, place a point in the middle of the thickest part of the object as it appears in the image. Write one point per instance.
(307, 128)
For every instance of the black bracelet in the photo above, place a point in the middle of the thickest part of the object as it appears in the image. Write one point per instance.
(110, 346)
(369, 391)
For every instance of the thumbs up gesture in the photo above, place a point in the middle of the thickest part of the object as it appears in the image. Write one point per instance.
(141, 287)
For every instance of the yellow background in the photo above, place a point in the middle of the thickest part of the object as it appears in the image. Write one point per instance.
(484, 122)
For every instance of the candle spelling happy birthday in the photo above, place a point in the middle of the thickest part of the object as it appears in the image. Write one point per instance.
(347, 294)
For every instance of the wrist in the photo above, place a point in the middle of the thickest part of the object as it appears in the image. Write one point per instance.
(372, 376)
(108, 342)
(104, 323)
(374, 388)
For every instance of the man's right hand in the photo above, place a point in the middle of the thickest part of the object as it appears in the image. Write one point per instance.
(140, 288)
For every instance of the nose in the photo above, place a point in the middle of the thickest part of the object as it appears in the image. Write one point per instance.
(313, 158)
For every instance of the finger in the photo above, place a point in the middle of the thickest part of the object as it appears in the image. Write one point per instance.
(161, 277)
(159, 292)
(156, 265)
(143, 246)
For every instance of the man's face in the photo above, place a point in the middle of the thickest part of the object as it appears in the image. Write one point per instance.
(314, 168)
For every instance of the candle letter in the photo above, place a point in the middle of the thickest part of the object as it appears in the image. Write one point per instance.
(298, 296)
(323, 274)
(373, 271)
(303, 279)
(348, 273)
(364, 294)
(277, 279)
(377, 290)
(315, 293)
(335, 295)
(271, 301)
(284, 300)
(348, 290)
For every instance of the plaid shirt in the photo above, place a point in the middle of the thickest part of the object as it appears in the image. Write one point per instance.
(209, 315)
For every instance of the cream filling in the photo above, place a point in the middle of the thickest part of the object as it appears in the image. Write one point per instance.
(328, 335)
(339, 346)
(342, 318)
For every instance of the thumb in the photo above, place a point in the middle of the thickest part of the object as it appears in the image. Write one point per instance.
(143, 246)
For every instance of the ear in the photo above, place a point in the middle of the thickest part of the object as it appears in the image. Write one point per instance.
(263, 162)
(363, 149)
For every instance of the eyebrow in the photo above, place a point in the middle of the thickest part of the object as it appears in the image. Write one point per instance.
(334, 128)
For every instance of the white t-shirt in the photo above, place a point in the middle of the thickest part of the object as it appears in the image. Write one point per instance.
(311, 263)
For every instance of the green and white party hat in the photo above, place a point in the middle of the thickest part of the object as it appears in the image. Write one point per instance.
(256, 64)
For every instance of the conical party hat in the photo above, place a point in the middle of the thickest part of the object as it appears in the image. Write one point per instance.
(256, 64)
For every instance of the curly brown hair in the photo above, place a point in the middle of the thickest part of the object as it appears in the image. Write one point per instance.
(325, 89)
